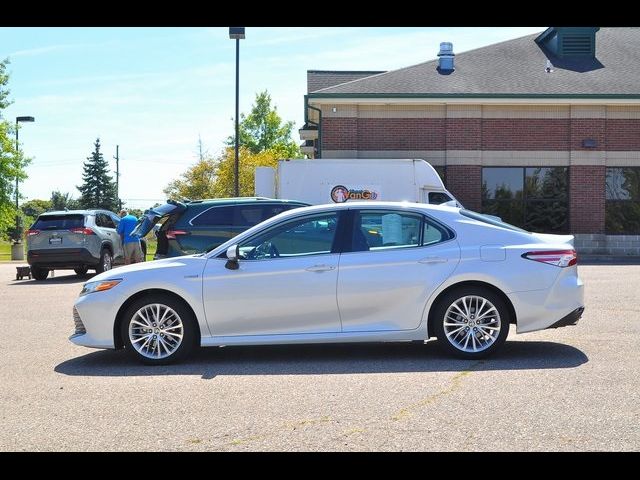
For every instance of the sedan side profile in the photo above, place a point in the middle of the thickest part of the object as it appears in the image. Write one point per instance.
(356, 272)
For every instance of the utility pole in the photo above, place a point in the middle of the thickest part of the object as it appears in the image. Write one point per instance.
(117, 157)
(200, 146)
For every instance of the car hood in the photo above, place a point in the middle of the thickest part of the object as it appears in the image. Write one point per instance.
(555, 239)
(186, 261)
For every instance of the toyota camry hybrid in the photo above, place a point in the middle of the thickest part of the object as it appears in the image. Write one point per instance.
(354, 272)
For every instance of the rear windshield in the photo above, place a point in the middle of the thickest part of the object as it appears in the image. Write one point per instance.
(58, 222)
(491, 221)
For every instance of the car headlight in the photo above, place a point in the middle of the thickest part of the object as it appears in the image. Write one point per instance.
(91, 287)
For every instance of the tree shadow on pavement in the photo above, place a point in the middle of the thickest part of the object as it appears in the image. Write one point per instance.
(328, 359)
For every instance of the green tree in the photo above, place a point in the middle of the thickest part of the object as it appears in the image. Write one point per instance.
(12, 163)
(97, 189)
(35, 207)
(224, 181)
(196, 183)
(60, 201)
(263, 129)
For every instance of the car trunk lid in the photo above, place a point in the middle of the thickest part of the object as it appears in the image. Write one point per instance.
(555, 239)
(154, 215)
(57, 231)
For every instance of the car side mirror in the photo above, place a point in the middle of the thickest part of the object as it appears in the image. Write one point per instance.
(233, 252)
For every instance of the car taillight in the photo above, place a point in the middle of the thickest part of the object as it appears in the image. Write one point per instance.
(31, 233)
(171, 234)
(82, 231)
(559, 258)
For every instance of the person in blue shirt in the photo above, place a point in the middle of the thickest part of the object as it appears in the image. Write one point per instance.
(130, 245)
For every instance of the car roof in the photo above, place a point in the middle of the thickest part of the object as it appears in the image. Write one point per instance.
(378, 205)
(240, 200)
(75, 212)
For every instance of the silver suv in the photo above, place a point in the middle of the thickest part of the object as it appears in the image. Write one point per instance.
(74, 239)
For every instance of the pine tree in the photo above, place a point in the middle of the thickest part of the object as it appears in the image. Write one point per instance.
(97, 189)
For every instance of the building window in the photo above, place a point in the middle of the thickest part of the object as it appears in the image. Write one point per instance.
(622, 210)
(533, 198)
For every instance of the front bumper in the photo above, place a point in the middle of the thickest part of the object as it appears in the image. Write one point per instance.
(61, 258)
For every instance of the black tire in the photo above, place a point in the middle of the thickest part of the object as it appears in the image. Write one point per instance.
(189, 333)
(39, 273)
(452, 297)
(104, 255)
(82, 271)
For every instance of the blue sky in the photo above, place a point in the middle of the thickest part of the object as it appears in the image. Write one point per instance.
(154, 90)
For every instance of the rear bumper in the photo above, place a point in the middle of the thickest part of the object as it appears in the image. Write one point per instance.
(61, 258)
(552, 307)
(570, 319)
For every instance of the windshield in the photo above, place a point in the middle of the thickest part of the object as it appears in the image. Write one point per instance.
(491, 221)
(58, 222)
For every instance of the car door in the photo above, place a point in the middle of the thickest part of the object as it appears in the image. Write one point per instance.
(396, 260)
(117, 244)
(285, 283)
(206, 230)
(107, 232)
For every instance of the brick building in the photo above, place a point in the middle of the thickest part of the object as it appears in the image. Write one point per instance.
(543, 130)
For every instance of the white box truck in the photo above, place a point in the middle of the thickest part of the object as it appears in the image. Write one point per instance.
(340, 180)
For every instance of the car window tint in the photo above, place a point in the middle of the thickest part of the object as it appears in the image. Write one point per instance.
(248, 215)
(383, 230)
(434, 233)
(307, 236)
(215, 216)
(58, 222)
(436, 198)
(269, 211)
(107, 221)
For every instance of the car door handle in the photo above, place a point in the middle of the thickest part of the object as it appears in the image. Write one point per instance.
(320, 268)
(433, 260)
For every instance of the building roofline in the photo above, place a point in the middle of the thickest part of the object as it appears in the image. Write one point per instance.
(476, 95)
(347, 72)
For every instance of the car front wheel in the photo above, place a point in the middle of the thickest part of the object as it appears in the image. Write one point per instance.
(471, 322)
(157, 330)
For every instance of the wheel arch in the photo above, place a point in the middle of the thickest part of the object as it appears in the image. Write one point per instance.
(468, 283)
(108, 246)
(118, 340)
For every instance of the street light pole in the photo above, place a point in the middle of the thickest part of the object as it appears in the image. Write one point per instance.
(17, 251)
(237, 33)
(18, 120)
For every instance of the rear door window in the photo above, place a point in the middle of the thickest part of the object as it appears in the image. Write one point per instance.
(214, 217)
(59, 222)
(105, 221)
(248, 215)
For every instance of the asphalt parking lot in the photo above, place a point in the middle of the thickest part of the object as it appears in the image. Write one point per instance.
(574, 388)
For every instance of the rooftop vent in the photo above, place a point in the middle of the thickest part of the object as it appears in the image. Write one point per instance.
(569, 42)
(445, 62)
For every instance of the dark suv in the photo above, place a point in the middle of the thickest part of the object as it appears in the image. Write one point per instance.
(200, 225)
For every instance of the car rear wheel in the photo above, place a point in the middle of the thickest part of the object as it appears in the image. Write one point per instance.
(157, 330)
(106, 261)
(471, 322)
(82, 271)
(39, 273)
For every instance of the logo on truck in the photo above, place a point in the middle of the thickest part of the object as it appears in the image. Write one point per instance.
(340, 194)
